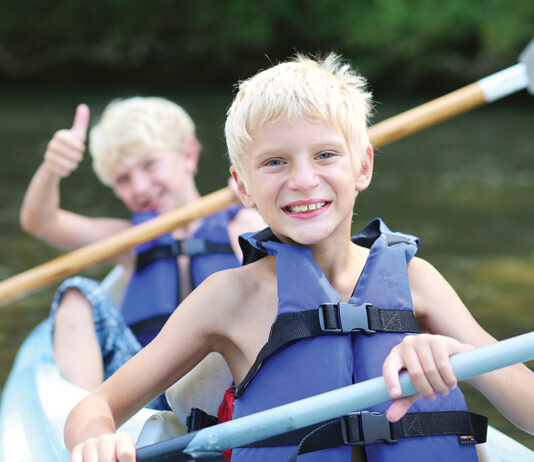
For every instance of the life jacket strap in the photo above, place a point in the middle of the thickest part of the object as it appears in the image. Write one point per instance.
(190, 247)
(343, 318)
(198, 419)
(365, 428)
(153, 324)
(330, 319)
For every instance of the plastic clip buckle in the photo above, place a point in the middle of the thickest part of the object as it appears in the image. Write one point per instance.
(351, 318)
(373, 427)
(177, 247)
(195, 246)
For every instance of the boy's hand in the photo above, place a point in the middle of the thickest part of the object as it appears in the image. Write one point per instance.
(65, 150)
(118, 447)
(426, 358)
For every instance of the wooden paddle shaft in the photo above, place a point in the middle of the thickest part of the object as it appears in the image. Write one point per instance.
(427, 114)
(75, 261)
(383, 133)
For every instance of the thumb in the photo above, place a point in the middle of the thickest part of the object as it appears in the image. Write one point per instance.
(81, 122)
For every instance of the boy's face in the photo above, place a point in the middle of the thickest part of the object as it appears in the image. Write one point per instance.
(154, 180)
(302, 177)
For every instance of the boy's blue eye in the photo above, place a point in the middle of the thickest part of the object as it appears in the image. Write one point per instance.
(325, 155)
(273, 163)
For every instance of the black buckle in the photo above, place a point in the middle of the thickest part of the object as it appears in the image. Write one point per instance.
(351, 318)
(372, 427)
(194, 246)
(177, 247)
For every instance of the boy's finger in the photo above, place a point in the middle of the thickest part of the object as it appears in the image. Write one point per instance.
(431, 368)
(66, 139)
(62, 163)
(399, 407)
(443, 363)
(125, 448)
(106, 450)
(390, 370)
(90, 451)
(417, 373)
(81, 122)
(76, 454)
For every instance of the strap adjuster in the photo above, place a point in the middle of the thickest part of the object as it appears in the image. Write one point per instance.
(177, 247)
(194, 246)
(364, 428)
(349, 318)
(191, 246)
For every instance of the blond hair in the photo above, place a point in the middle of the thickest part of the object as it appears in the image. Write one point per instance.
(131, 127)
(326, 90)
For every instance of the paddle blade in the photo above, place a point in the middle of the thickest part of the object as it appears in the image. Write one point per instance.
(527, 58)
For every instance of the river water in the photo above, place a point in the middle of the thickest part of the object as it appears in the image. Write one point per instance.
(466, 187)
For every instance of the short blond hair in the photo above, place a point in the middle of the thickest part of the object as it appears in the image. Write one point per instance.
(326, 90)
(133, 126)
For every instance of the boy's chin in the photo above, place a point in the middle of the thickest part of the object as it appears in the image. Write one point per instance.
(300, 238)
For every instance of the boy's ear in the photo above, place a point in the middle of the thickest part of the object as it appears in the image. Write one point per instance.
(240, 189)
(366, 169)
(191, 153)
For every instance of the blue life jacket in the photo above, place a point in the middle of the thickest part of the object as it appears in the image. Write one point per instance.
(314, 365)
(152, 292)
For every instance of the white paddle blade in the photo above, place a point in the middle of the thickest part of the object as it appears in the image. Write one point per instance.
(527, 58)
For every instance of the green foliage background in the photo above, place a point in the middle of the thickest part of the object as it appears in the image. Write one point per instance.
(405, 43)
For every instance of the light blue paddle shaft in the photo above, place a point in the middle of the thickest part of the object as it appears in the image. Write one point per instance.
(352, 398)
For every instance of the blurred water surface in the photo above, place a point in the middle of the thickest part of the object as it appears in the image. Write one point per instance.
(466, 187)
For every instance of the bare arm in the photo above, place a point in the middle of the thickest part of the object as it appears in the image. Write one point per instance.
(41, 214)
(439, 310)
(194, 330)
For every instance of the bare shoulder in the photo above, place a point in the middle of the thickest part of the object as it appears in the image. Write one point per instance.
(233, 310)
(235, 287)
(429, 288)
(438, 308)
(421, 271)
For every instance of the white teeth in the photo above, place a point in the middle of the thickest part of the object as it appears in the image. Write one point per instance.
(306, 207)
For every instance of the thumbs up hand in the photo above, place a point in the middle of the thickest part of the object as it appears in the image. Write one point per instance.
(65, 150)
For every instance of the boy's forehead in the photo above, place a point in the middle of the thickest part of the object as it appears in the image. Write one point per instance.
(321, 130)
(123, 163)
(129, 157)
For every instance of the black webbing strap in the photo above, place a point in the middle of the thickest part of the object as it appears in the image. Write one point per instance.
(251, 253)
(366, 428)
(189, 247)
(198, 419)
(330, 319)
(152, 324)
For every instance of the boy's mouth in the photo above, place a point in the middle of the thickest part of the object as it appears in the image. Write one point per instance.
(305, 208)
(150, 203)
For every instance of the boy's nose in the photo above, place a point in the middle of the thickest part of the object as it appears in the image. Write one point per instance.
(303, 176)
(140, 183)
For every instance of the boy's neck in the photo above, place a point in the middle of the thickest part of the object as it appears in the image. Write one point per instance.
(342, 263)
(189, 195)
(333, 256)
